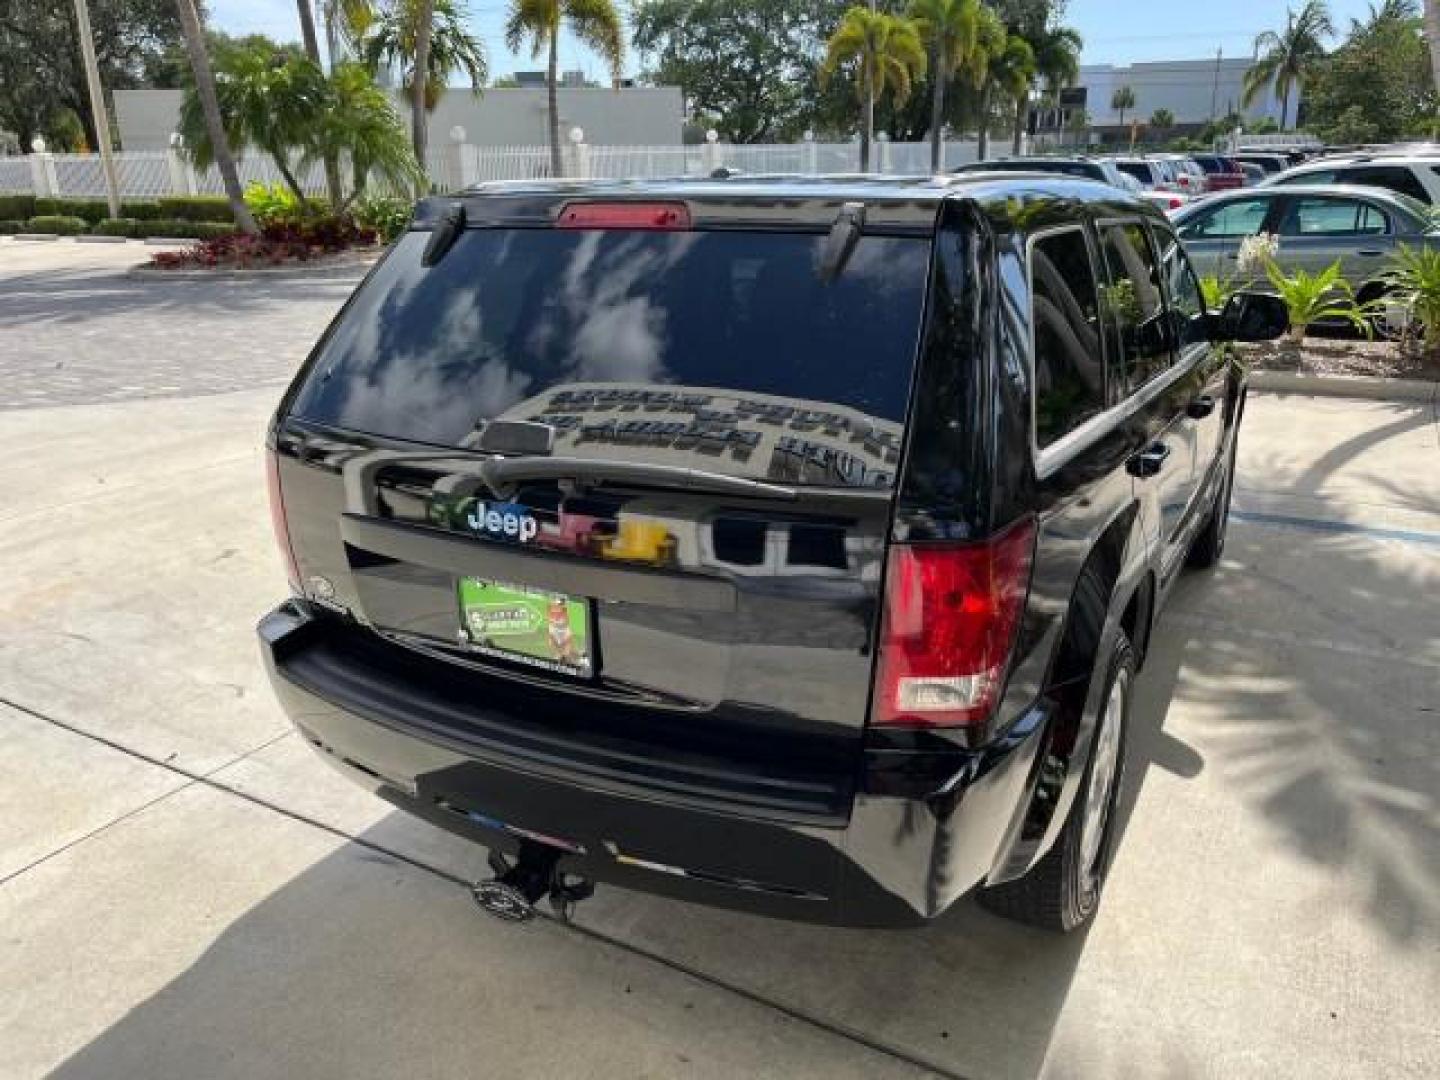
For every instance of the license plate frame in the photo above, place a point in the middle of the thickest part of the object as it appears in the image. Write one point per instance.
(521, 624)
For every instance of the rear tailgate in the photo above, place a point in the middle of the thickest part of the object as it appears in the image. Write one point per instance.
(686, 565)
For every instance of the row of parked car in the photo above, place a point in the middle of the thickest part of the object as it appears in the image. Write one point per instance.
(1357, 207)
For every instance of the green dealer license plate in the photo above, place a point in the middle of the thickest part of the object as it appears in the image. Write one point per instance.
(530, 626)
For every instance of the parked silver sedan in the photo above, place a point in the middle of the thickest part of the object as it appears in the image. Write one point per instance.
(1316, 224)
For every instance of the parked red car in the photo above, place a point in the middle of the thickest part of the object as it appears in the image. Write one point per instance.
(1221, 173)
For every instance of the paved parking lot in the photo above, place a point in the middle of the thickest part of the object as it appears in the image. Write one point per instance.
(186, 891)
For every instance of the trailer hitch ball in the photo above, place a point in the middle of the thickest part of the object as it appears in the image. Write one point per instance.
(516, 888)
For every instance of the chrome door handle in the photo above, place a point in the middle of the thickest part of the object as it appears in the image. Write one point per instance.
(1371, 253)
(1150, 461)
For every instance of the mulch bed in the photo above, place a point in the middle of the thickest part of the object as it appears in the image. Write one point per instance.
(1340, 356)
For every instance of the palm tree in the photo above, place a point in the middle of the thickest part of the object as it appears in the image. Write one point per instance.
(888, 55)
(1286, 58)
(359, 120)
(947, 27)
(595, 22)
(990, 38)
(312, 50)
(391, 38)
(210, 106)
(1057, 65)
(263, 99)
(1161, 121)
(420, 75)
(1122, 99)
(1432, 38)
(1010, 74)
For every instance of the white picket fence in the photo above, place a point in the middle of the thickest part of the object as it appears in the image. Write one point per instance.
(149, 173)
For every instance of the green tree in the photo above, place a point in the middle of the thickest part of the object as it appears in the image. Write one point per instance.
(1123, 98)
(1376, 87)
(1161, 121)
(41, 76)
(595, 22)
(1057, 62)
(207, 124)
(359, 121)
(886, 53)
(1287, 58)
(286, 106)
(949, 29)
(990, 38)
(1010, 75)
(390, 41)
(750, 65)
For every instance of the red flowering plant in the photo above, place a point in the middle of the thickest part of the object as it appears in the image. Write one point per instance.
(279, 242)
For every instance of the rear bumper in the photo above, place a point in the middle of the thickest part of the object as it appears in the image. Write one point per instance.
(922, 829)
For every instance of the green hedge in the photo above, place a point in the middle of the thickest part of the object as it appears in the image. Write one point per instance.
(89, 210)
(174, 229)
(17, 207)
(196, 208)
(57, 223)
(9, 227)
(115, 227)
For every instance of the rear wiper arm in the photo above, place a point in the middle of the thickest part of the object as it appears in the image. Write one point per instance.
(502, 474)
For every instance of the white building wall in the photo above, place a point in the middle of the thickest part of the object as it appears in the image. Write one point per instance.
(1195, 91)
(642, 116)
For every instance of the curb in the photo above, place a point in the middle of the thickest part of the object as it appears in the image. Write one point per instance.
(34, 236)
(1368, 387)
(353, 268)
(94, 238)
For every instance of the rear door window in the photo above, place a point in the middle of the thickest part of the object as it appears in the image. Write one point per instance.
(1332, 217)
(719, 350)
(1134, 306)
(1069, 355)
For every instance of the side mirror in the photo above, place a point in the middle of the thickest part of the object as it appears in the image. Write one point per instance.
(1250, 316)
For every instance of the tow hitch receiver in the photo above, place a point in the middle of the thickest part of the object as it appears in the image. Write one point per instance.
(515, 889)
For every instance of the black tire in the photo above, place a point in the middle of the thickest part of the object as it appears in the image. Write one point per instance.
(1209, 543)
(1062, 890)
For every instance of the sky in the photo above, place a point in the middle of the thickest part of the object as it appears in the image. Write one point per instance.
(1115, 31)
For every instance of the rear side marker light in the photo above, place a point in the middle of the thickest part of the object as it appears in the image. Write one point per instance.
(950, 616)
(652, 216)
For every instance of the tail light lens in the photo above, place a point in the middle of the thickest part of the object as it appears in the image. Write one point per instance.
(948, 627)
(1175, 204)
(277, 519)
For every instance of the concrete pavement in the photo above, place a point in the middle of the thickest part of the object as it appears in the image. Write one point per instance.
(186, 890)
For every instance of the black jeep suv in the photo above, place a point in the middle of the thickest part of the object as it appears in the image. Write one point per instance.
(779, 543)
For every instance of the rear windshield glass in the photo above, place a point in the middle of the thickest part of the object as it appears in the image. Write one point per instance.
(719, 350)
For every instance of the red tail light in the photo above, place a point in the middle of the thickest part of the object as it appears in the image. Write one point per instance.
(948, 627)
(1175, 203)
(652, 216)
(277, 519)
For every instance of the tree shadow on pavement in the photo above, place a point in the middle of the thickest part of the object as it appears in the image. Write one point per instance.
(80, 296)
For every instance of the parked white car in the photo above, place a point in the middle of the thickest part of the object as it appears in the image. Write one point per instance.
(1408, 173)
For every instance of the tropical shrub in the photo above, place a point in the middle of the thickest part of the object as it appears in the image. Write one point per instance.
(9, 227)
(64, 225)
(274, 246)
(387, 215)
(1414, 274)
(1311, 298)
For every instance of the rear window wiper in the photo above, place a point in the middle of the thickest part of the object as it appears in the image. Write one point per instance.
(844, 235)
(502, 474)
